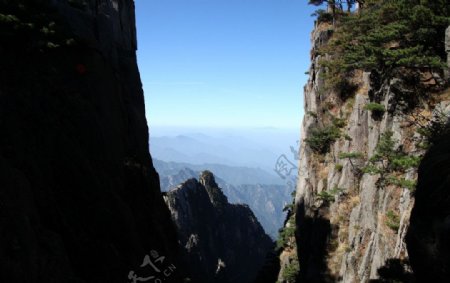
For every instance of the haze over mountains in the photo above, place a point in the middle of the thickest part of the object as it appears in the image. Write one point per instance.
(242, 160)
(248, 147)
(265, 200)
(233, 175)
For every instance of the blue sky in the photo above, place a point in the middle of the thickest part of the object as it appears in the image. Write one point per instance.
(224, 63)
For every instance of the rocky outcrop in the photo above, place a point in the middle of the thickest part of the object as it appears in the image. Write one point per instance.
(169, 182)
(351, 224)
(266, 201)
(222, 242)
(79, 198)
(428, 236)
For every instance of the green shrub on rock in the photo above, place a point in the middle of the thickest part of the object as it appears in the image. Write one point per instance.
(392, 220)
(320, 139)
(375, 107)
(290, 271)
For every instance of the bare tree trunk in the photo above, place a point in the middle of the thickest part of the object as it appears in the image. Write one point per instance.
(332, 8)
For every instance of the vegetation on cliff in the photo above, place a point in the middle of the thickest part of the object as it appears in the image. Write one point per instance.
(389, 39)
(32, 26)
(380, 70)
(286, 248)
(385, 35)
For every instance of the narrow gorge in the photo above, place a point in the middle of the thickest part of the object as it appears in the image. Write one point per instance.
(81, 201)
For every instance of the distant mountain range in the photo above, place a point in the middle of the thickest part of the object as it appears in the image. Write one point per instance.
(240, 185)
(233, 149)
(233, 175)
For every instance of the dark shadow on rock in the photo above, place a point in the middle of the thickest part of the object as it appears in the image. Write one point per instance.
(428, 237)
(395, 270)
(222, 242)
(313, 237)
(79, 197)
(271, 268)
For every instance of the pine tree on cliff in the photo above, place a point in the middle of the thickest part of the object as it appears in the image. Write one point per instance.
(338, 4)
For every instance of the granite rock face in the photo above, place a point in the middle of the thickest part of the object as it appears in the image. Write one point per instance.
(349, 227)
(79, 197)
(222, 242)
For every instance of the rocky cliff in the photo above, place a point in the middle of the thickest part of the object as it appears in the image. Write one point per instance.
(222, 242)
(358, 165)
(79, 197)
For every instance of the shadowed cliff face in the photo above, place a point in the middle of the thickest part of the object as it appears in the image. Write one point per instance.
(316, 228)
(222, 242)
(79, 198)
(428, 236)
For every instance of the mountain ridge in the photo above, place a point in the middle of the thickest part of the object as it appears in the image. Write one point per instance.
(222, 242)
(267, 201)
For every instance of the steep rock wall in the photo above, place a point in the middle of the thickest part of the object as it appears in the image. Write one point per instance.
(79, 197)
(349, 227)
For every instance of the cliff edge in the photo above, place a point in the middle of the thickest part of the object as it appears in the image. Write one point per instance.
(79, 197)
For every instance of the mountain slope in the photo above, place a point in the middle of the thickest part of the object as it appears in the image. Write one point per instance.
(266, 201)
(222, 242)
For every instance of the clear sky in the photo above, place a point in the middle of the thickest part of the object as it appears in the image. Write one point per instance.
(224, 63)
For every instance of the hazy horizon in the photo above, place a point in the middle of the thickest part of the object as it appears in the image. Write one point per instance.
(248, 147)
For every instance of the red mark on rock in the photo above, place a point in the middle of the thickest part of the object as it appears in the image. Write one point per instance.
(81, 69)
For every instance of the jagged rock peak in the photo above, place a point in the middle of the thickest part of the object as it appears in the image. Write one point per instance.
(207, 179)
(191, 183)
(222, 242)
(214, 192)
